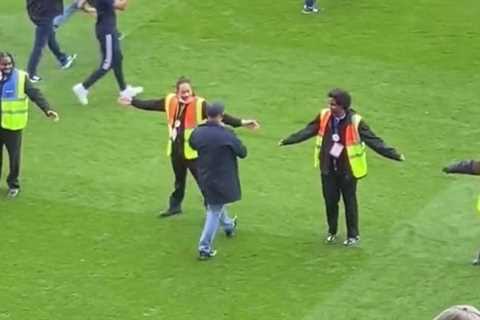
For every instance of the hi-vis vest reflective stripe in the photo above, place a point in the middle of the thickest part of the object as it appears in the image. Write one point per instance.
(357, 156)
(14, 102)
(193, 117)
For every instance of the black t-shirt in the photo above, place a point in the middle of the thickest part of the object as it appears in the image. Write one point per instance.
(106, 16)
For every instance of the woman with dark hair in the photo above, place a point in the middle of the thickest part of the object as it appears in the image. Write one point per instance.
(184, 110)
(340, 152)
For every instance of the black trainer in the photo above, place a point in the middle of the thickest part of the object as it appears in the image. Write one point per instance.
(231, 232)
(13, 192)
(170, 212)
(205, 255)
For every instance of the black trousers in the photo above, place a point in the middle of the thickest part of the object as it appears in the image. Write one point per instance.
(334, 185)
(44, 34)
(111, 59)
(12, 140)
(180, 166)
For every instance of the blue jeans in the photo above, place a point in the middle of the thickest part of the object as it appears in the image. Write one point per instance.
(67, 13)
(44, 34)
(309, 3)
(216, 215)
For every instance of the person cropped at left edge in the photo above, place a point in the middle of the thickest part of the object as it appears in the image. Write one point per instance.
(184, 111)
(15, 90)
(42, 13)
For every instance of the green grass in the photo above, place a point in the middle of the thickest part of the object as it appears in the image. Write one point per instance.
(82, 241)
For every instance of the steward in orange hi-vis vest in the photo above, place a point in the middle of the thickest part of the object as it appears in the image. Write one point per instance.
(340, 152)
(184, 111)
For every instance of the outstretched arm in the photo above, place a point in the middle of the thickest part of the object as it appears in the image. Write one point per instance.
(464, 167)
(150, 105)
(377, 144)
(232, 120)
(37, 97)
(311, 130)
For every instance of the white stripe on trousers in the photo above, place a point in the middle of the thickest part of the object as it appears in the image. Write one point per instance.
(107, 63)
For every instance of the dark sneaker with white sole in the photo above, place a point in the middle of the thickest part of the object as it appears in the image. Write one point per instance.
(331, 238)
(351, 242)
(13, 193)
(231, 232)
(205, 255)
(67, 64)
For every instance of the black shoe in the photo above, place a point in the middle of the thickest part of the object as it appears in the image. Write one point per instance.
(13, 192)
(205, 255)
(231, 232)
(170, 212)
(68, 62)
(352, 241)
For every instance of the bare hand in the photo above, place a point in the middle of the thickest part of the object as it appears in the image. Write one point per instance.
(125, 101)
(251, 124)
(53, 115)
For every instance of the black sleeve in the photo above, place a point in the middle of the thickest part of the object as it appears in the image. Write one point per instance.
(227, 119)
(238, 147)
(36, 96)
(311, 130)
(150, 105)
(376, 143)
(464, 167)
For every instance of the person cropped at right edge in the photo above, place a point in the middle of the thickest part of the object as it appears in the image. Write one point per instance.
(470, 167)
(340, 151)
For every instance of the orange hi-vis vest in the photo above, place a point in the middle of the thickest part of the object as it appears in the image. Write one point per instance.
(354, 146)
(193, 117)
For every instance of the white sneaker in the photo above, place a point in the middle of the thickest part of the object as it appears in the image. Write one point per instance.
(81, 93)
(131, 92)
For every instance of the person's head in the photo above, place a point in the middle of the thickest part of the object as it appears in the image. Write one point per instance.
(215, 112)
(6, 63)
(461, 312)
(339, 101)
(184, 90)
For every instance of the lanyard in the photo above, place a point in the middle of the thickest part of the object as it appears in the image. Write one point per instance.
(179, 114)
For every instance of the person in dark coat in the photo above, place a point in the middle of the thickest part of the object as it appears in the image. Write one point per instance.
(42, 13)
(218, 149)
(340, 153)
(470, 167)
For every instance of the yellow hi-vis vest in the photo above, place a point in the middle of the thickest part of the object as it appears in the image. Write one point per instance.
(355, 148)
(14, 102)
(193, 117)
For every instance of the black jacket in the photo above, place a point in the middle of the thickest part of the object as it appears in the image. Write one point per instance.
(42, 11)
(218, 149)
(464, 167)
(327, 162)
(33, 93)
